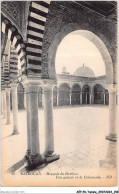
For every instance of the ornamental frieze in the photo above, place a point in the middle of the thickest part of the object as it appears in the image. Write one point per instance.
(12, 9)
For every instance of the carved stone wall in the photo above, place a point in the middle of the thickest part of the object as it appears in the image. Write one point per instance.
(16, 12)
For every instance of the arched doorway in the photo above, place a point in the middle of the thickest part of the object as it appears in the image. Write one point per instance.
(98, 94)
(55, 96)
(40, 97)
(75, 96)
(86, 94)
(64, 95)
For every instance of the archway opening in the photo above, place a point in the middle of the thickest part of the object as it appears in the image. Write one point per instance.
(98, 41)
(75, 96)
(86, 94)
(76, 51)
(64, 95)
(77, 60)
(99, 94)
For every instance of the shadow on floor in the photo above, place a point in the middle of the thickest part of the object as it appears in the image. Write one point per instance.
(16, 166)
(111, 158)
(6, 137)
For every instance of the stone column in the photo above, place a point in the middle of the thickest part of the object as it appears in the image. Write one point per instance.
(104, 98)
(28, 152)
(8, 104)
(25, 100)
(57, 96)
(86, 98)
(35, 157)
(112, 115)
(15, 109)
(1, 101)
(48, 116)
(4, 104)
(70, 98)
(81, 98)
(90, 98)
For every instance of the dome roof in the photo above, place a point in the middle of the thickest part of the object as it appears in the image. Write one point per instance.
(84, 72)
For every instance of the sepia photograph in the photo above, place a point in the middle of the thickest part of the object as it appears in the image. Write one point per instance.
(59, 94)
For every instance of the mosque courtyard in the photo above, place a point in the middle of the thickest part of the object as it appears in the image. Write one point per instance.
(79, 136)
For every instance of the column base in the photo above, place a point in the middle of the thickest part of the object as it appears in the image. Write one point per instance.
(111, 137)
(28, 152)
(35, 160)
(50, 156)
(15, 132)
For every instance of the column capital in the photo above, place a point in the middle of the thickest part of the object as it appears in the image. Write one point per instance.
(31, 87)
(3, 90)
(7, 89)
(14, 85)
(26, 87)
(48, 84)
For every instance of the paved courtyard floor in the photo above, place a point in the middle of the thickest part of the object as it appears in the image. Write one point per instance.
(79, 135)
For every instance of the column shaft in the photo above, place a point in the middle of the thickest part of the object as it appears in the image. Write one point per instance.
(81, 98)
(48, 115)
(49, 133)
(112, 112)
(86, 98)
(4, 104)
(57, 99)
(35, 157)
(25, 101)
(28, 122)
(15, 109)
(70, 98)
(104, 98)
(112, 117)
(8, 104)
(90, 98)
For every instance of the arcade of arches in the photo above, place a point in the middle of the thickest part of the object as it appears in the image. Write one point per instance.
(66, 96)
(28, 75)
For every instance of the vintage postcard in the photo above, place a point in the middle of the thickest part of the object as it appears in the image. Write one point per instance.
(59, 93)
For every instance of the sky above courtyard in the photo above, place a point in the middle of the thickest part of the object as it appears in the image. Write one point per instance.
(76, 50)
